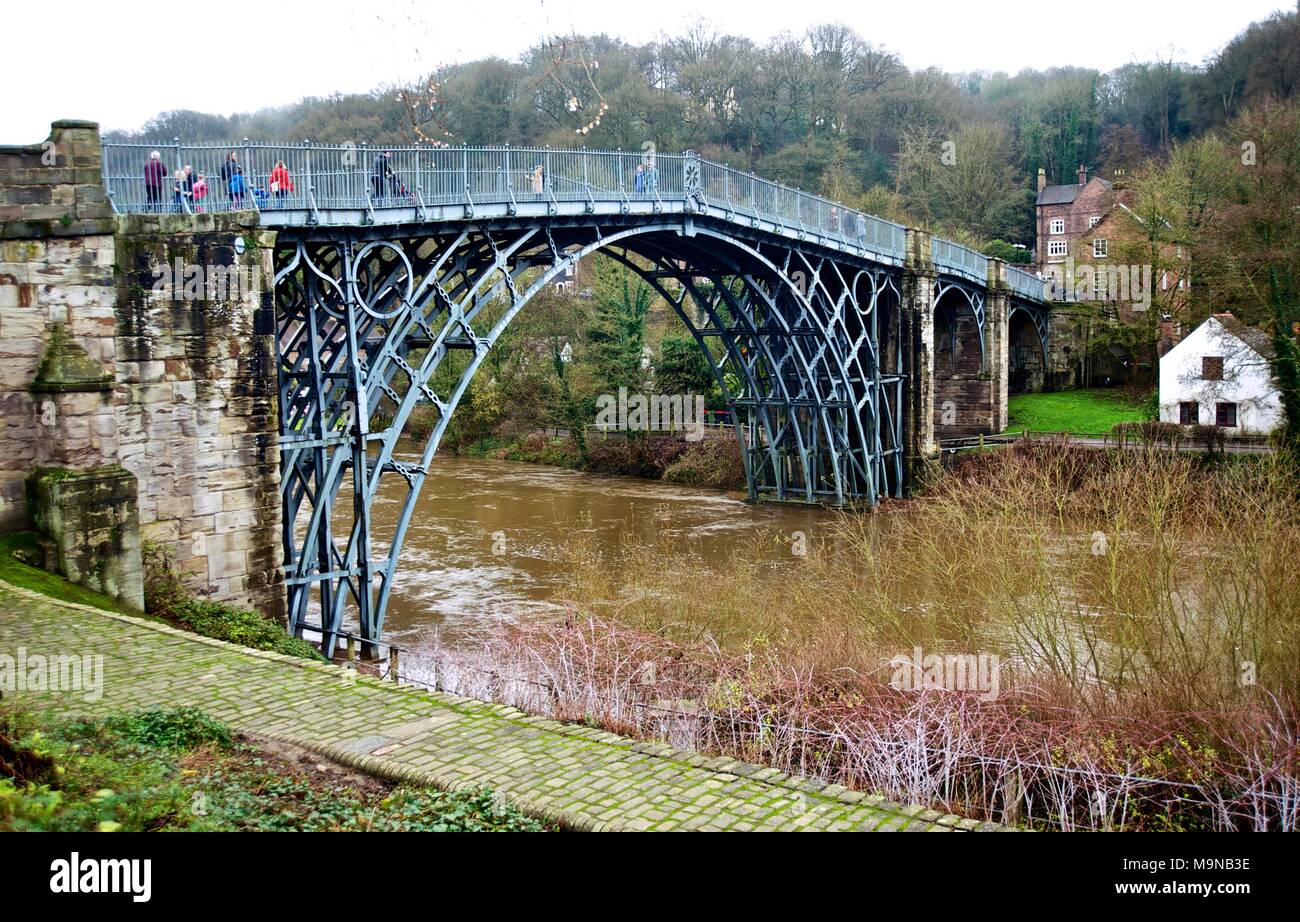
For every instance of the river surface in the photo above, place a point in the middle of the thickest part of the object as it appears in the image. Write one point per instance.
(488, 539)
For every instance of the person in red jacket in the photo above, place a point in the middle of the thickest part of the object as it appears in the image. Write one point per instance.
(155, 172)
(280, 184)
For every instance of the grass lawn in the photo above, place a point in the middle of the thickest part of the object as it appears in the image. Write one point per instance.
(1083, 412)
(19, 556)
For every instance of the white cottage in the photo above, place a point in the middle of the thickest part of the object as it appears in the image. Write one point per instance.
(1220, 375)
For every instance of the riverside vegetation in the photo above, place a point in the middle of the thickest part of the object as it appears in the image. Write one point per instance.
(180, 770)
(1144, 609)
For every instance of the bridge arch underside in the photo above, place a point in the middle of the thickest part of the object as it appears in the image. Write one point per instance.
(963, 393)
(1026, 349)
(803, 345)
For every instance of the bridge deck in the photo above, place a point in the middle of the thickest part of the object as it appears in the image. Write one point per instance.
(580, 777)
(347, 185)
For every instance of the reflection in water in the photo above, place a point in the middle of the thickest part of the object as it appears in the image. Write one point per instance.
(449, 577)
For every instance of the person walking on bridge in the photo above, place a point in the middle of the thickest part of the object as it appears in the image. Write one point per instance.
(183, 190)
(651, 178)
(200, 193)
(383, 176)
(155, 173)
(232, 175)
(280, 183)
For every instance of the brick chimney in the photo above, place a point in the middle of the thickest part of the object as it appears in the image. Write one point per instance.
(1083, 175)
(1042, 179)
(1168, 334)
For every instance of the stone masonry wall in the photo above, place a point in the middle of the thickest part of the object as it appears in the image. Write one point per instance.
(56, 268)
(196, 396)
(189, 403)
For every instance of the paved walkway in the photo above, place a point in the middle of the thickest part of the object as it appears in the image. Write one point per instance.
(580, 777)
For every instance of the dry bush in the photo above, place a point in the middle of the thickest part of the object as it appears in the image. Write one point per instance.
(1143, 606)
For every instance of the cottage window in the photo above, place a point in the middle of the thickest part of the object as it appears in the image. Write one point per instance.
(1099, 247)
(1225, 415)
(1212, 367)
(1094, 220)
(1056, 248)
(1188, 413)
(1058, 226)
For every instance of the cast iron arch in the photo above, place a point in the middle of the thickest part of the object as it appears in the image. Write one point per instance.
(361, 315)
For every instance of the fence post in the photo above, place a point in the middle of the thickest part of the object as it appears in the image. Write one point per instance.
(249, 178)
(691, 178)
(363, 165)
(171, 178)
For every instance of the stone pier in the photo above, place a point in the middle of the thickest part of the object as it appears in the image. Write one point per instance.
(138, 381)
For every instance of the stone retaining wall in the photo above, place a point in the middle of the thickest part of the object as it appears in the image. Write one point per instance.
(145, 345)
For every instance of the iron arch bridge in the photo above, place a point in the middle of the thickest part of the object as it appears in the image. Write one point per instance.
(394, 265)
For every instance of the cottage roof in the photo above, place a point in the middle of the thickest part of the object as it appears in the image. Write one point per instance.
(1254, 337)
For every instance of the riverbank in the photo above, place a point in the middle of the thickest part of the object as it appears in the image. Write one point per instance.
(712, 462)
(1093, 640)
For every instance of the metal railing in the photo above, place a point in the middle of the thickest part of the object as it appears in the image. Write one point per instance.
(1026, 284)
(959, 260)
(197, 178)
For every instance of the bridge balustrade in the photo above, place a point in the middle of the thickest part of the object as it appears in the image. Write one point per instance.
(322, 177)
(348, 176)
(1026, 284)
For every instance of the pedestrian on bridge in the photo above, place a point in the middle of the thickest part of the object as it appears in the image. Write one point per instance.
(383, 175)
(651, 178)
(232, 175)
(200, 193)
(183, 190)
(155, 173)
(280, 183)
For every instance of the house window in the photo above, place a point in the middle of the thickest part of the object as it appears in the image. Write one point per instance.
(1094, 220)
(1212, 368)
(1058, 226)
(1056, 247)
(1099, 247)
(1225, 415)
(1188, 413)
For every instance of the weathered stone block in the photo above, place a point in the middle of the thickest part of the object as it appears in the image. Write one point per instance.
(91, 517)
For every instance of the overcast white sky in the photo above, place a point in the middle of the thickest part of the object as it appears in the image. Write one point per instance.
(107, 62)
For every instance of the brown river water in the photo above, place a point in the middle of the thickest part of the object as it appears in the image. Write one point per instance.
(487, 543)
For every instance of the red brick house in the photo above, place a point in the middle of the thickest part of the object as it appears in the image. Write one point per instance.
(1101, 251)
(1067, 213)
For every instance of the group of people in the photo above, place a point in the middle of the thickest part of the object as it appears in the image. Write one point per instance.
(189, 190)
(384, 180)
(646, 179)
